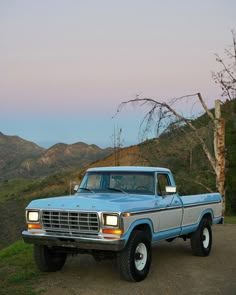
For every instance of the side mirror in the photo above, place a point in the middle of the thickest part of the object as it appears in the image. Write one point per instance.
(76, 187)
(170, 190)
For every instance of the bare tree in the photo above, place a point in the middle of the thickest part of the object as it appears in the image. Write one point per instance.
(226, 77)
(166, 118)
(117, 144)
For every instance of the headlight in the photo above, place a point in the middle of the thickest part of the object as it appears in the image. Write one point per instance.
(33, 216)
(110, 220)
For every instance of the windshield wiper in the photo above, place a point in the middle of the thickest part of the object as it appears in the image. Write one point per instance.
(116, 190)
(87, 189)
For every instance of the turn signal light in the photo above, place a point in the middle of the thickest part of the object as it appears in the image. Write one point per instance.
(112, 231)
(34, 226)
(126, 214)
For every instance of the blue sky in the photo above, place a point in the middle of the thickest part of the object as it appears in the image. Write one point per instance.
(65, 66)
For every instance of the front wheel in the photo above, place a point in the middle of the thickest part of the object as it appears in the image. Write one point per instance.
(135, 260)
(48, 260)
(201, 239)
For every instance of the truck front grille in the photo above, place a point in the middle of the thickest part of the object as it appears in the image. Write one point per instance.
(69, 222)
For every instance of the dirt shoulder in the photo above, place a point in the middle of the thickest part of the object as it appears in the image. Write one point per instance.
(174, 271)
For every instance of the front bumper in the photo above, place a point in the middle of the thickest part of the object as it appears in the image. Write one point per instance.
(87, 243)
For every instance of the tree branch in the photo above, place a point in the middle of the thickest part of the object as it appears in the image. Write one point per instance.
(165, 108)
(209, 113)
(204, 186)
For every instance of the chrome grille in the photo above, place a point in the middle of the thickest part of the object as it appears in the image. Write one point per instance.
(69, 222)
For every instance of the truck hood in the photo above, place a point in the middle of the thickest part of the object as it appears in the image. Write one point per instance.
(96, 202)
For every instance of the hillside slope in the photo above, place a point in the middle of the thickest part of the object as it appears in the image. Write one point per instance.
(21, 158)
(14, 150)
(63, 157)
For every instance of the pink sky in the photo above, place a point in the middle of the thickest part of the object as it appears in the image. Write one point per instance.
(70, 63)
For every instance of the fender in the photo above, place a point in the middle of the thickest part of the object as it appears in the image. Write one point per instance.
(193, 227)
(204, 212)
(138, 223)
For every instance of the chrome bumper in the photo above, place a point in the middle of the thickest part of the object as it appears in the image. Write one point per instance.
(74, 242)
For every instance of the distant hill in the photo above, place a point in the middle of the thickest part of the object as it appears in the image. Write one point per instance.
(13, 151)
(22, 158)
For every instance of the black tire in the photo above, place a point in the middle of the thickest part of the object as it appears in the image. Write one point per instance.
(201, 239)
(135, 260)
(48, 260)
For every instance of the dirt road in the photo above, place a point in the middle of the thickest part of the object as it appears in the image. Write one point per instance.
(174, 271)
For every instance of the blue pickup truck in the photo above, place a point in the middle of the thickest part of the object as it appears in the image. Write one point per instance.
(120, 212)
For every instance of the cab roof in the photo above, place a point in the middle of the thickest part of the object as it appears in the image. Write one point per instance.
(129, 169)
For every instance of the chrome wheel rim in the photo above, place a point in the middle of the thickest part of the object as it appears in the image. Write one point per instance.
(205, 238)
(140, 256)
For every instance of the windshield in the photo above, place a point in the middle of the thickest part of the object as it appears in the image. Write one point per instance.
(118, 182)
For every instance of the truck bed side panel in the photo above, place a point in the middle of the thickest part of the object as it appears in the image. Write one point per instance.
(196, 206)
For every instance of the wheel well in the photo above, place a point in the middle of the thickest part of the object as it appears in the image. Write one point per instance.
(207, 216)
(144, 228)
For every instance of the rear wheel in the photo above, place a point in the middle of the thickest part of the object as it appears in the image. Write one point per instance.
(135, 260)
(201, 239)
(48, 260)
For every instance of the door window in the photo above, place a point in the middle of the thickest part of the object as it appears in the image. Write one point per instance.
(162, 182)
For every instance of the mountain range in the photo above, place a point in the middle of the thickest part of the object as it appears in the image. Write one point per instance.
(21, 158)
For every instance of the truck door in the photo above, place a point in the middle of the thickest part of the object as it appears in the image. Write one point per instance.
(170, 205)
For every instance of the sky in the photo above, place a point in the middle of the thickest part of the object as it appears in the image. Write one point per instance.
(66, 65)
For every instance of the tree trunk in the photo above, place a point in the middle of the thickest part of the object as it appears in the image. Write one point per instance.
(219, 145)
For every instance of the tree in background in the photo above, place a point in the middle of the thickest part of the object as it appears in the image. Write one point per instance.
(167, 119)
(117, 144)
(226, 76)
